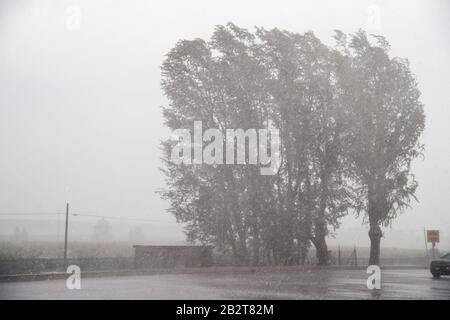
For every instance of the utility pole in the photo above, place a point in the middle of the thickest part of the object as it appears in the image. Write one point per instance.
(433, 246)
(426, 248)
(65, 236)
(339, 255)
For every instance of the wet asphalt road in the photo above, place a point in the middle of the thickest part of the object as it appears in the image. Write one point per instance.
(315, 284)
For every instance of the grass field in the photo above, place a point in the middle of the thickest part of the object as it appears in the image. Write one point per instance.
(123, 249)
(53, 250)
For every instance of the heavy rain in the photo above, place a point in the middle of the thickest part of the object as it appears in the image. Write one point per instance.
(215, 150)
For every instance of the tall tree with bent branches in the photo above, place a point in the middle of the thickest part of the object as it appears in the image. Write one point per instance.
(349, 121)
(385, 121)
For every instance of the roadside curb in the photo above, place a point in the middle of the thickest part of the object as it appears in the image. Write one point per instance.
(203, 270)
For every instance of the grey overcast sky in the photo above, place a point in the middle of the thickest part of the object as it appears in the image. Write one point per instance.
(80, 117)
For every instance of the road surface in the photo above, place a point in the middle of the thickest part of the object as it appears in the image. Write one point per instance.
(314, 284)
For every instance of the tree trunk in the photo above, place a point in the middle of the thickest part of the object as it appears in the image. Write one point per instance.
(321, 251)
(375, 235)
(320, 243)
(256, 250)
(304, 254)
(320, 226)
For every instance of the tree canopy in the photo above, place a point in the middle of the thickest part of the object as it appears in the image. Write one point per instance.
(349, 119)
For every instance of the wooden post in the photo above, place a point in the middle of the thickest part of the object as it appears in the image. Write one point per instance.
(339, 255)
(434, 245)
(426, 247)
(65, 236)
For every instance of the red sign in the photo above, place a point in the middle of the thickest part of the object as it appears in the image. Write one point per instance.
(433, 236)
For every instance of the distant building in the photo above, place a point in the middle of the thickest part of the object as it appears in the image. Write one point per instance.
(147, 257)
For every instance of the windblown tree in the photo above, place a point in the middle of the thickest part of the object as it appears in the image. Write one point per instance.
(221, 84)
(349, 121)
(307, 111)
(385, 121)
(239, 80)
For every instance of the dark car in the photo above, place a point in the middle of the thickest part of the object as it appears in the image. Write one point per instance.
(440, 267)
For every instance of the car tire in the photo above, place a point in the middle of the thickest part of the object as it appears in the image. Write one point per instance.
(436, 275)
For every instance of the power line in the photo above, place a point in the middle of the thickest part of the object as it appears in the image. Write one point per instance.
(30, 214)
(118, 218)
(82, 215)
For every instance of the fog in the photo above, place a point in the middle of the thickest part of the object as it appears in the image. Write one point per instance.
(80, 116)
